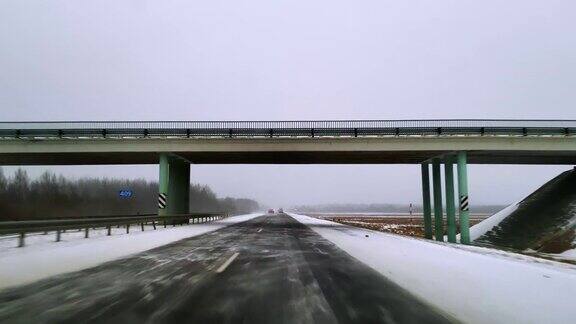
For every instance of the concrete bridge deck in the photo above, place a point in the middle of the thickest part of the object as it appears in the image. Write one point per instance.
(493, 149)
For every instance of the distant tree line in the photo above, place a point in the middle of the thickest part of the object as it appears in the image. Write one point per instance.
(52, 196)
(383, 208)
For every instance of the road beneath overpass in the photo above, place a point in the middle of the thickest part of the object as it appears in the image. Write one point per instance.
(271, 269)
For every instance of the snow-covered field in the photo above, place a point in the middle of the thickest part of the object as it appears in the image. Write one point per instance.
(42, 257)
(473, 284)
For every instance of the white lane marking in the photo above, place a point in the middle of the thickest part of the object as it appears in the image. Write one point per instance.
(260, 230)
(227, 263)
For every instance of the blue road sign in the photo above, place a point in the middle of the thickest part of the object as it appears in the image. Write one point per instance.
(125, 193)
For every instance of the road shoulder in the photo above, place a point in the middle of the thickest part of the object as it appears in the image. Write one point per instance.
(30, 263)
(515, 290)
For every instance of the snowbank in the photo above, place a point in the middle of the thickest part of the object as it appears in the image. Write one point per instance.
(42, 257)
(489, 223)
(472, 284)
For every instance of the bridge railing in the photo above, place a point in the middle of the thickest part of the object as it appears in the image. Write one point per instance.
(22, 228)
(315, 128)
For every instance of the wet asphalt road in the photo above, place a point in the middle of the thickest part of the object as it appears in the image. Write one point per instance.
(283, 273)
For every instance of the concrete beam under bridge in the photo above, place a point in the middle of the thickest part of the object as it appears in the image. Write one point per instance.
(343, 150)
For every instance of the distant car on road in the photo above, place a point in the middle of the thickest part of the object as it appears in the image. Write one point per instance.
(270, 211)
(280, 211)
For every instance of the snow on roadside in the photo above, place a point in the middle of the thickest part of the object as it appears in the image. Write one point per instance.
(42, 257)
(472, 284)
(489, 223)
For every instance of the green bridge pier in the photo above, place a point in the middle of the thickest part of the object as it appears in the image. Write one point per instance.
(436, 229)
(174, 185)
(174, 191)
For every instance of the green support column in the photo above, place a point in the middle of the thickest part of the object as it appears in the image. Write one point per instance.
(163, 181)
(450, 210)
(174, 186)
(179, 187)
(426, 209)
(437, 186)
(463, 193)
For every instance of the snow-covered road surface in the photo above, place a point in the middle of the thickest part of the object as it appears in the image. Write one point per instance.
(474, 285)
(42, 257)
(270, 269)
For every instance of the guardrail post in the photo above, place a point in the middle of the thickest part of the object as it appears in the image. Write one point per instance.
(86, 232)
(21, 239)
(438, 217)
(450, 210)
(426, 209)
(463, 195)
(109, 228)
(58, 234)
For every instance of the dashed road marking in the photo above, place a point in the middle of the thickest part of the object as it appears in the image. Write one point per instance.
(227, 263)
(260, 230)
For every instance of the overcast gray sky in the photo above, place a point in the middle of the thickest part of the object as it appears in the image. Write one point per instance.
(190, 60)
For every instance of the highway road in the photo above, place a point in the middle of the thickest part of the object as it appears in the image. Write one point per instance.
(271, 269)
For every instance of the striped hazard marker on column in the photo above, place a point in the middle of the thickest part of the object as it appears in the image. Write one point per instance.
(161, 200)
(464, 203)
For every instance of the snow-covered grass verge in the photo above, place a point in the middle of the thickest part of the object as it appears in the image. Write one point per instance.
(472, 284)
(489, 223)
(42, 257)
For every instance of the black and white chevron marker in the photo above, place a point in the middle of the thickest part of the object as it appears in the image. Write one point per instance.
(464, 203)
(162, 200)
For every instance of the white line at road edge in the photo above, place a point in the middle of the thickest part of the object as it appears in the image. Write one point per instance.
(227, 263)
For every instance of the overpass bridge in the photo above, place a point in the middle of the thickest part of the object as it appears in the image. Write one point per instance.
(174, 145)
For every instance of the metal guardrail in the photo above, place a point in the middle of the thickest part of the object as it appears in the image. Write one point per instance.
(22, 228)
(316, 128)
